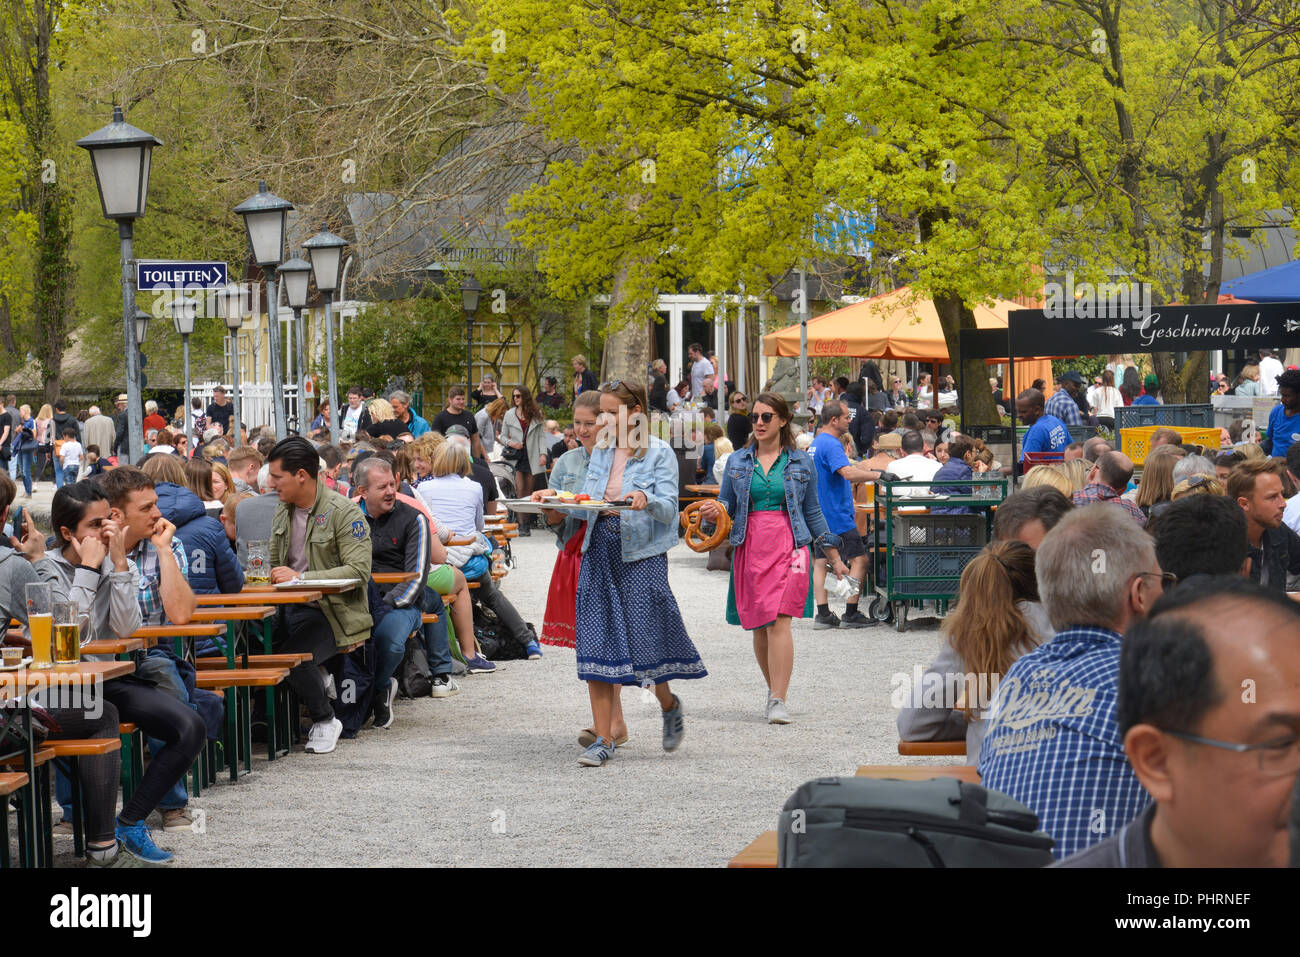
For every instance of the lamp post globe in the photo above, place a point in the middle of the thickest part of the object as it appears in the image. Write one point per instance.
(230, 306)
(296, 274)
(469, 296)
(326, 252)
(184, 309)
(265, 216)
(120, 157)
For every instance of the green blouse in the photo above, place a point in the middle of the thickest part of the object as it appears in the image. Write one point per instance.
(767, 491)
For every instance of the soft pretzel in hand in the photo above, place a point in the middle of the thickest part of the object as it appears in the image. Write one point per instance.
(695, 537)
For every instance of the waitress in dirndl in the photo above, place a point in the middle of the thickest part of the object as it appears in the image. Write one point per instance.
(769, 489)
(630, 630)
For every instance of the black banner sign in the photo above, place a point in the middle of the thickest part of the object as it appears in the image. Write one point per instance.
(1034, 332)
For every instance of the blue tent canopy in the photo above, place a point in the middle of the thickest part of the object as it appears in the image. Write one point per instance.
(1278, 284)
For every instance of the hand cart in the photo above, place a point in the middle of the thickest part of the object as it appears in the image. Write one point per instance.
(919, 556)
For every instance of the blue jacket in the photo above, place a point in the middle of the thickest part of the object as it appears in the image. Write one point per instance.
(653, 530)
(213, 566)
(953, 469)
(806, 518)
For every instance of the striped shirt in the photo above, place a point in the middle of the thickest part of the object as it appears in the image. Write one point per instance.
(1100, 492)
(1062, 405)
(1053, 740)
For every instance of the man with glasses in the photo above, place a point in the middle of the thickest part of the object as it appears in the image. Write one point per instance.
(738, 425)
(1209, 710)
(1053, 742)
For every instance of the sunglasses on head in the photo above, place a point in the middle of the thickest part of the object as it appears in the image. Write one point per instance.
(764, 417)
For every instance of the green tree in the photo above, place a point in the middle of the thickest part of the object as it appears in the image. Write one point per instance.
(418, 340)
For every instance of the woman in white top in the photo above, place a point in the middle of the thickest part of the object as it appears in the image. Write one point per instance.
(1103, 398)
(450, 494)
(488, 420)
(997, 619)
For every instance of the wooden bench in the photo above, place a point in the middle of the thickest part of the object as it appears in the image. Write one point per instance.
(67, 751)
(760, 852)
(911, 772)
(428, 618)
(12, 783)
(287, 660)
(239, 731)
(915, 749)
(35, 828)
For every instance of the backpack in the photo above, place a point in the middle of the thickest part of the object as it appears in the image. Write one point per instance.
(414, 679)
(943, 822)
(494, 640)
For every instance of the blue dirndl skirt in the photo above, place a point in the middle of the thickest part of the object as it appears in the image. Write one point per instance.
(630, 629)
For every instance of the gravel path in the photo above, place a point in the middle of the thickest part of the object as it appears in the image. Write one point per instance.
(490, 777)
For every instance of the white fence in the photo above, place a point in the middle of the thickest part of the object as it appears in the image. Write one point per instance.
(255, 402)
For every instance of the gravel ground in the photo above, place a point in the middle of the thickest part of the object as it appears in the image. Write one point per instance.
(490, 777)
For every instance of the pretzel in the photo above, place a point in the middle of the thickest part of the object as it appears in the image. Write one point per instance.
(695, 540)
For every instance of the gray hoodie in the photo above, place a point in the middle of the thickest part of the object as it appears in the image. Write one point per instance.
(109, 596)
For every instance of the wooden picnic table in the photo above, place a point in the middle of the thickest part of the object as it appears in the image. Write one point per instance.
(246, 597)
(112, 646)
(233, 613)
(709, 490)
(393, 578)
(304, 586)
(20, 682)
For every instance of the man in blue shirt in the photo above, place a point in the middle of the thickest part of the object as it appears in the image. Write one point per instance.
(1046, 432)
(1150, 386)
(1284, 420)
(1063, 403)
(835, 478)
(1053, 741)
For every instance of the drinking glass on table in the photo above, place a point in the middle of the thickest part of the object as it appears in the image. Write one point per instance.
(71, 631)
(40, 622)
(258, 570)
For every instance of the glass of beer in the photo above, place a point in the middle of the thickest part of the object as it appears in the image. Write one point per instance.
(258, 570)
(40, 622)
(70, 624)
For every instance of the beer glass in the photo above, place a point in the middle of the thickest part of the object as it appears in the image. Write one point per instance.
(40, 622)
(71, 625)
(258, 570)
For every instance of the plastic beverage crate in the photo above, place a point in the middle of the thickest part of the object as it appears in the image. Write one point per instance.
(1136, 442)
(942, 566)
(940, 531)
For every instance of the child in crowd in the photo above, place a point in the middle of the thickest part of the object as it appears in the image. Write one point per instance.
(70, 456)
(92, 464)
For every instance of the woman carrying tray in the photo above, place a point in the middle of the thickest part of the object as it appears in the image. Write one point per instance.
(559, 625)
(770, 487)
(629, 628)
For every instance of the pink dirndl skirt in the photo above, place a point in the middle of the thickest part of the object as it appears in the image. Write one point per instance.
(768, 577)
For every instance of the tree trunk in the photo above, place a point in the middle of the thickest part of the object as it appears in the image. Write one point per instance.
(7, 327)
(627, 346)
(972, 374)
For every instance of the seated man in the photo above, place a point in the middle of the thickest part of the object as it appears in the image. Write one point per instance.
(1107, 482)
(1046, 432)
(317, 533)
(1028, 515)
(1256, 487)
(1052, 742)
(399, 542)
(1201, 535)
(1219, 764)
(914, 466)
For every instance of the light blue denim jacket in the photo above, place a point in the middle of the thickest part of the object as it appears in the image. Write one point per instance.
(569, 474)
(654, 530)
(806, 518)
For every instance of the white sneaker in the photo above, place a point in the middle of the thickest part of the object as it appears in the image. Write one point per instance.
(323, 736)
(444, 686)
(776, 712)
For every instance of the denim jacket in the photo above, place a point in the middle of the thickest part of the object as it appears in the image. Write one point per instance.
(569, 474)
(806, 518)
(653, 530)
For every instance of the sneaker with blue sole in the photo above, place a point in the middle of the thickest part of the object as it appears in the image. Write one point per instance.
(674, 726)
(534, 651)
(137, 840)
(597, 753)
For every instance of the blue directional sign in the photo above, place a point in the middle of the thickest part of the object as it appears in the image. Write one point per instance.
(154, 276)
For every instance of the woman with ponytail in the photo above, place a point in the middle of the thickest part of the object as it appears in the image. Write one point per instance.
(997, 619)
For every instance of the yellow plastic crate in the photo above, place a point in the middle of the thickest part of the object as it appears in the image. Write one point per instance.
(1136, 442)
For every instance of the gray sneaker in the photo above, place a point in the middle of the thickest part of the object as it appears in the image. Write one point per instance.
(776, 712)
(596, 754)
(674, 726)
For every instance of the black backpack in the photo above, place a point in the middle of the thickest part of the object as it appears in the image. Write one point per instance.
(495, 641)
(943, 822)
(414, 679)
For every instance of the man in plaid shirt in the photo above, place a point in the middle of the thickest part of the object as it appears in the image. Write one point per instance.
(1053, 741)
(1107, 482)
(1062, 403)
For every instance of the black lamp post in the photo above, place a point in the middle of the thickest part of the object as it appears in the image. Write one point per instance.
(297, 273)
(120, 156)
(184, 310)
(326, 252)
(469, 293)
(230, 304)
(264, 218)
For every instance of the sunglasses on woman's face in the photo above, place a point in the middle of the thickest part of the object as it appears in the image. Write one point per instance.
(764, 417)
